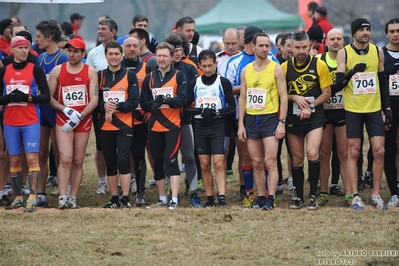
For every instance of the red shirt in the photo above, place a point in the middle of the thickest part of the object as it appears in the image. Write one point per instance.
(5, 45)
(325, 25)
(72, 91)
(75, 28)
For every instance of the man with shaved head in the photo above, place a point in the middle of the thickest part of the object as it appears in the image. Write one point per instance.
(131, 60)
(335, 123)
(230, 39)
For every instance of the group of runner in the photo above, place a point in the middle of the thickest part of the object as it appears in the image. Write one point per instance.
(182, 97)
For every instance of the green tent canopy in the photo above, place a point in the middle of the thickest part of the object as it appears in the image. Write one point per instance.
(234, 13)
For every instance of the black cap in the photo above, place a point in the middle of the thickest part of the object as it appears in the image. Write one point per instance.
(359, 23)
(25, 34)
(250, 32)
(4, 24)
(322, 10)
(315, 33)
(76, 16)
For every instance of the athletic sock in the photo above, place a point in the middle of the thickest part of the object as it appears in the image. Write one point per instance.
(211, 199)
(164, 199)
(298, 178)
(248, 175)
(314, 172)
(115, 199)
(175, 200)
(324, 194)
(102, 180)
(16, 179)
(34, 181)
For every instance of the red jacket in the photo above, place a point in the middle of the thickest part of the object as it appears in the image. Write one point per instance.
(325, 25)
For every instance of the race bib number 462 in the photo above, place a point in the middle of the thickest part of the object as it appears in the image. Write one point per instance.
(74, 95)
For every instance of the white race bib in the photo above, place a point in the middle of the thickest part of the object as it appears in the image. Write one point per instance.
(74, 95)
(335, 102)
(296, 109)
(115, 96)
(166, 91)
(394, 84)
(23, 88)
(364, 83)
(256, 98)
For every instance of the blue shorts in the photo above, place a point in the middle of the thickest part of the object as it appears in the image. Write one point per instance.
(260, 126)
(47, 115)
(30, 135)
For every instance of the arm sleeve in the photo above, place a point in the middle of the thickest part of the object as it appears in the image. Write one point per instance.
(42, 84)
(341, 81)
(100, 107)
(146, 99)
(181, 99)
(133, 101)
(228, 92)
(384, 90)
(189, 110)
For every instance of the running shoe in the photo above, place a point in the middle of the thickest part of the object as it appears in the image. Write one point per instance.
(294, 194)
(30, 205)
(368, 179)
(102, 188)
(57, 192)
(42, 201)
(258, 203)
(298, 204)
(290, 183)
(280, 190)
(230, 176)
(394, 201)
(195, 201)
(360, 183)
(322, 200)
(72, 203)
(125, 203)
(160, 203)
(247, 202)
(222, 203)
(312, 205)
(173, 205)
(357, 204)
(5, 201)
(52, 181)
(209, 204)
(336, 190)
(269, 205)
(377, 202)
(16, 204)
(112, 205)
(62, 203)
(8, 190)
(140, 199)
(133, 186)
(242, 193)
(25, 189)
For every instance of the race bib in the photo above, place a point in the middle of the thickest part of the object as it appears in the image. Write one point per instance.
(166, 91)
(23, 88)
(115, 96)
(74, 95)
(335, 102)
(394, 85)
(364, 83)
(256, 98)
(207, 102)
(296, 109)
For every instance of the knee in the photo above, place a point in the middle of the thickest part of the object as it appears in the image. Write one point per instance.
(257, 163)
(65, 160)
(124, 166)
(218, 164)
(205, 167)
(78, 163)
(379, 152)
(271, 163)
(296, 160)
(312, 154)
(353, 153)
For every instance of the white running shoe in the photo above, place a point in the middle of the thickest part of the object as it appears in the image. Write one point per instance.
(62, 203)
(290, 183)
(133, 186)
(102, 188)
(394, 201)
(72, 203)
(378, 203)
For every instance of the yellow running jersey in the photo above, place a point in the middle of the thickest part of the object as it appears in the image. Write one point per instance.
(362, 94)
(262, 92)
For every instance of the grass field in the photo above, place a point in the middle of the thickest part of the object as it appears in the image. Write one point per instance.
(92, 235)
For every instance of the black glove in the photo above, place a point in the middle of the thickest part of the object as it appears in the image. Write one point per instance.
(6, 98)
(361, 67)
(17, 96)
(152, 45)
(388, 117)
(207, 116)
(159, 100)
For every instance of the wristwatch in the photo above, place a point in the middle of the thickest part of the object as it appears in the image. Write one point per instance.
(282, 120)
(312, 106)
(30, 98)
(217, 113)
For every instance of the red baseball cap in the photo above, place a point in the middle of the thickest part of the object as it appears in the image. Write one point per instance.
(76, 43)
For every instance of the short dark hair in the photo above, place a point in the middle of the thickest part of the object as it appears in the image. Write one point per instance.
(185, 43)
(138, 18)
(259, 34)
(285, 38)
(205, 54)
(299, 36)
(67, 28)
(50, 28)
(185, 20)
(113, 44)
(110, 23)
(142, 34)
(165, 45)
(279, 36)
(312, 6)
(391, 21)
